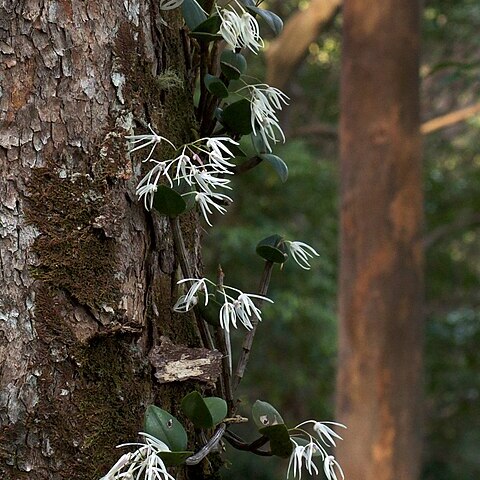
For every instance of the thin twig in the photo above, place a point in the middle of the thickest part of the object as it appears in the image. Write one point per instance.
(211, 444)
(187, 273)
(222, 337)
(449, 119)
(248, 340)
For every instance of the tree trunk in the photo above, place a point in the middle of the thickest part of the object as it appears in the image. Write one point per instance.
(381, 292)
(88, 276)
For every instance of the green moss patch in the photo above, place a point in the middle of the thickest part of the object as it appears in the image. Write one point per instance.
(73, 255)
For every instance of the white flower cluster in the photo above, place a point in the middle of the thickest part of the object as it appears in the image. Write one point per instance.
(301, 253)
(265, 101)
(237, 307)
(143, 463)
(239, 31)
(242, 31)
(202, 164)
(307, 446)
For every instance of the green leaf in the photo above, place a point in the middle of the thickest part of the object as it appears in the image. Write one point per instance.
(211, 312)
(278, 164)
(193, 14)
(280, 442)
(208, 30)
(258, 143)
(164, 426)
(272, 19)
(183, 188)
(236, 117)
(194, 407)
(236, 150)
(204, 36)
(217, 407)
(168, 202)
(232, 64)
(265, 415)
(215, 86)
(271, 249)
(172, 459)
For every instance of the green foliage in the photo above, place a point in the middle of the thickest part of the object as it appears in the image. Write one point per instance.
(236, 117)
(204, 412)
(168, 202)
(232, 64)
(265, 415)
(193, 14)
(300, 341)
(280, 443)
(270, 249)
(297, 335)
(164, 426)
(278, 165)
(215, 86)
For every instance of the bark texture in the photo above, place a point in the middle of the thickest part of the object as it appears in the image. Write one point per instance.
(381, 286)
(87, 276)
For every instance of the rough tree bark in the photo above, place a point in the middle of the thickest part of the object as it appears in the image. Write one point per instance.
(87, 276)
(380, 298)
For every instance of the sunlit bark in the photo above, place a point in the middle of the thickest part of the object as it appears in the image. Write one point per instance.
(381, 282)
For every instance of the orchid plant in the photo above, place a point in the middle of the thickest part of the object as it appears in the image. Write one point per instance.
(196, 175)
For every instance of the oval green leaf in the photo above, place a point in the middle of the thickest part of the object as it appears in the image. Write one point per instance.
(215, 86)
(208, 30)
(193, 14)
(164, 426)
(278, 164)
(271, 254)
(272, 19)
(280, 443)
(232, 64)
(265, 415)
(237, 117)
(217, 407)
(168, 202)
(194, 407)
(271, 249)
(172, 459)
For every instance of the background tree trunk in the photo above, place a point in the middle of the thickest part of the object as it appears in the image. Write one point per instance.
(380, 358)
(87, 275)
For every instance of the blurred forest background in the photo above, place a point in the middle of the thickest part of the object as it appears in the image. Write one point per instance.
(295, 356)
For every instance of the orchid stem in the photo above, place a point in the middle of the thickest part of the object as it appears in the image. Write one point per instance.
(248, 340)
(203, 330)
(222, 337)
(253, 447)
